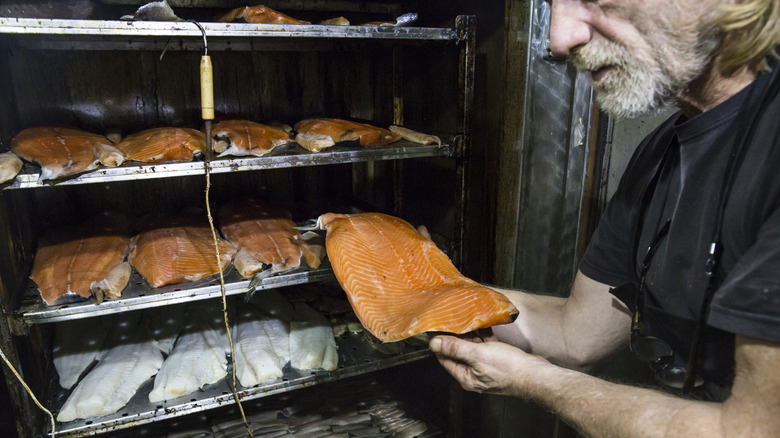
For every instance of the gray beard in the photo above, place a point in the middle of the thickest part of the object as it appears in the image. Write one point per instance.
(634, 85)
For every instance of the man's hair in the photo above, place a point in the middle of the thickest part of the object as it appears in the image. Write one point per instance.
(752, 34)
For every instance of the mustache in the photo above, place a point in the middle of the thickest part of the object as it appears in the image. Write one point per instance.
(597, 54)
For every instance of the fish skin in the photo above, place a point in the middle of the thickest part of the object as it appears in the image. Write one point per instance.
(114, 380)
(163, 144)
(60, 151)
(400, 284)
(177, 254)
(244, 137)
(70, 259)
(197, 359)
(344, 130)
(266, 232)
(312, 344)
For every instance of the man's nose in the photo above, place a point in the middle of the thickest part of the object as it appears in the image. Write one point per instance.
(569, 27)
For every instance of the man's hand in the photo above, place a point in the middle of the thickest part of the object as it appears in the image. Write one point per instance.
(489, 367)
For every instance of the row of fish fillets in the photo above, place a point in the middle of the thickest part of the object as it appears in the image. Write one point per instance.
(117, 364)
(362, 407)
(96, 258)
(63, 152)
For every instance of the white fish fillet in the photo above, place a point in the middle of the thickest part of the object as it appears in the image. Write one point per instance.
(10, 165)
(262, 348)
(76, 345)
(312, 345)
(114, 380)
(198, 359)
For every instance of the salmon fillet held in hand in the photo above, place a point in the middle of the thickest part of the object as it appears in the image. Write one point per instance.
(400, 284)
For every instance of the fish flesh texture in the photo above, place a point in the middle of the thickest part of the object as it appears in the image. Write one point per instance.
(163, 144)
(77, 344)
(338, 130)
(312, 344)
(259, 14)
(10, 165)
(176, 254)
(243, 137)
(115, 379)
(70, 259)
(266, 236)
(400, 284)
(197, 359)
(262, 348)
(63, 152)
(414, 136)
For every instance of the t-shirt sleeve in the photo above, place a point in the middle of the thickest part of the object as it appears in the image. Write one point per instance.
(748, 301)
(609, 257)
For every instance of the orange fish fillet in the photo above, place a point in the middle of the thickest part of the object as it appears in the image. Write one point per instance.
(64, 152)
(70, 259)
(345, 130)
(259, 14)
(400, 284)
(163, 144)
(266, 232)
(243, 137)
(176, 254)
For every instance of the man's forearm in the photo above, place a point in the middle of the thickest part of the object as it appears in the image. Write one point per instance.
(564, 330)
(603, 409)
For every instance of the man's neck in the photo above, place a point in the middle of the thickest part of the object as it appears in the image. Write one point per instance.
(711, 89)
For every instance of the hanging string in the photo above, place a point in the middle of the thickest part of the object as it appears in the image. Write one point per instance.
(207, 102)
(29, 391)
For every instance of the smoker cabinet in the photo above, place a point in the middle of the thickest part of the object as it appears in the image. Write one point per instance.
(105, 74)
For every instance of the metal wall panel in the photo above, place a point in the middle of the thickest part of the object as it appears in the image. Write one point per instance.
(546, 130)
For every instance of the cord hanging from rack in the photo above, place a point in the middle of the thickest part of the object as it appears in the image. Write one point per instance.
(29, 391)
(207, 113)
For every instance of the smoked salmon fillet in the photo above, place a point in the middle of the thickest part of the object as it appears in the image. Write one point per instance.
(400, 284)
(65, 152)
(178, 253)
(265, 233)
(163, 144)
(315, 134)
(259, 14)
(70, 259)
(244, 137)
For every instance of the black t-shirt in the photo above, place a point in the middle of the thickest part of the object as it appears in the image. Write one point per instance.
(747, 301)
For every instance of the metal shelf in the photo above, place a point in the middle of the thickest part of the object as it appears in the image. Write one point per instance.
(290, 155)
(356, 357)
(139, 295)
(99, 28)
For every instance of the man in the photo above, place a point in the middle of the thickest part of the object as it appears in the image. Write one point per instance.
(649, 275)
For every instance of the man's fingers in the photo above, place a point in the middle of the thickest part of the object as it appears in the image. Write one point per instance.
(450, 346)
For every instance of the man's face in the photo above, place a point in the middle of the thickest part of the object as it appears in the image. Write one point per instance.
(640, 53)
